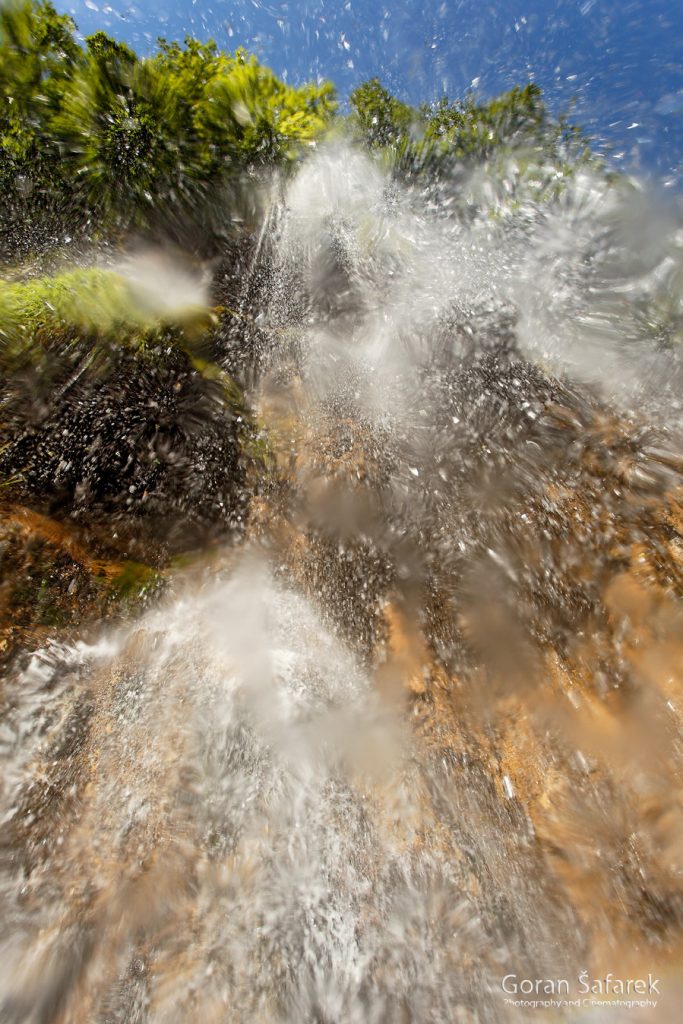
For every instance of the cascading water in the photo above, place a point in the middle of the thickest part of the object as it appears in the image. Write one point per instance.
(288, 792)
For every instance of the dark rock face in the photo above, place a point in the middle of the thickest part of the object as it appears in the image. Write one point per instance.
(123, 443)
(142, 434)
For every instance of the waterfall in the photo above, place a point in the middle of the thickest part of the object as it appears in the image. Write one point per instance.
(286, 793)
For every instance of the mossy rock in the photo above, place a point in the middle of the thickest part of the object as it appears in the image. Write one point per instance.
(52, 585)
(108, 411)
(90, 302)
(93, 304)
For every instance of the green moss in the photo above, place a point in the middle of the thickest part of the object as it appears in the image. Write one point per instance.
(257, 449)
(211, 371)
(48, 609)
(97, 305)
(80, 303)
(135, 582)
(90, 301)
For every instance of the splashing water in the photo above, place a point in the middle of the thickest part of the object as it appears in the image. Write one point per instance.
(384, 757)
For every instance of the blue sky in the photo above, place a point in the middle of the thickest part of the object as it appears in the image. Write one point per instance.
(619, 61)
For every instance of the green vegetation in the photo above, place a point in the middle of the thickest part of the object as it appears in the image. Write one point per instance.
(95, 141)
(76, 303)
(380, 120)
(92, 140)
(134, 581)
(433, 140)
(85, 304)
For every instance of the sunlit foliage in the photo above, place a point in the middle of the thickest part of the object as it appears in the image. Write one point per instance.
(434, 138)
(95, 141)
(96, 138)
(38, 58)
(379, 119)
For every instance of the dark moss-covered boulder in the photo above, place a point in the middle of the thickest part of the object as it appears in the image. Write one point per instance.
(111, 410)
(58, 579)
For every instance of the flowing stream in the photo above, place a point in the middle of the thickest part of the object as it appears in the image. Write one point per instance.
(421, 731)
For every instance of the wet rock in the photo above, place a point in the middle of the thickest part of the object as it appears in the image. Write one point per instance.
(111, 417)
(55, 582)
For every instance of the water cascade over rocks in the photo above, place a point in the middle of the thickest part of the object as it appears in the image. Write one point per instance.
(421, 730)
